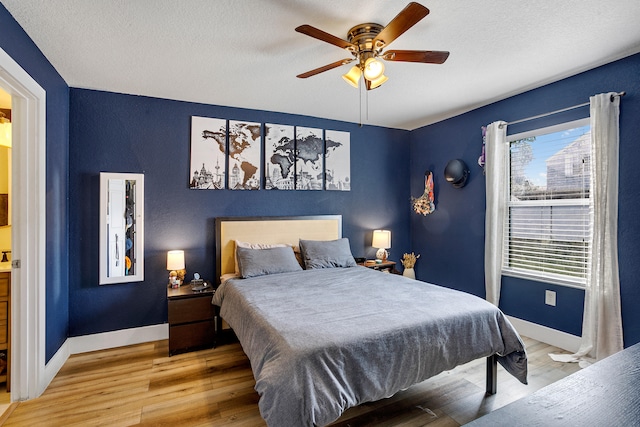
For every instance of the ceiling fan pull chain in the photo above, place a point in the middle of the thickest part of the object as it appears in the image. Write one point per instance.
(360, 102)
(366, 104)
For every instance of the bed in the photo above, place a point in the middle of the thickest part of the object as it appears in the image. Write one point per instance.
(321, 340)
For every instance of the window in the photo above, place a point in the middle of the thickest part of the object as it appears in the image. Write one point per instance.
(549, 211)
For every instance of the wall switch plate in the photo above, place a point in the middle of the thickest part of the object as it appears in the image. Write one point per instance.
(550, 298)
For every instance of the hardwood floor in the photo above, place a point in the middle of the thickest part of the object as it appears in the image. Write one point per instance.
(140, 385)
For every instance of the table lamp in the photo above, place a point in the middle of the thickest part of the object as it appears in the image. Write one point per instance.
(175, 264)
(382, 241)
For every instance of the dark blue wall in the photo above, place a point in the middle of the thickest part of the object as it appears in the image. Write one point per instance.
(122, 133)
(451, 241)
(17, 44)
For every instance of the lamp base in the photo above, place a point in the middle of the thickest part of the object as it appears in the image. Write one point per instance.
(382, 254)
(176, 278)
(181, 274)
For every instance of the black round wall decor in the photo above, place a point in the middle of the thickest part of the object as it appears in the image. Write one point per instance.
(456, 173)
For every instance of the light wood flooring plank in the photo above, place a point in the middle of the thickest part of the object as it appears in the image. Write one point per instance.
(141, 385)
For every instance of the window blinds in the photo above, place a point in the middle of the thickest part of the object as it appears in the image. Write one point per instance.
(549, 208)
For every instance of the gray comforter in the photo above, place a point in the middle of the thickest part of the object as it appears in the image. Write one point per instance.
(321, 341)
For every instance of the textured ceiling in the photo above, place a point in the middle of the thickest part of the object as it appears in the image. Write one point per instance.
(245, 53)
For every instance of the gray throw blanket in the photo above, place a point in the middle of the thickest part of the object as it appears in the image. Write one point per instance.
(322, 341)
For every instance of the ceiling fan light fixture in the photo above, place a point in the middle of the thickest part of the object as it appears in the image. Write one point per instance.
(373, 69)
(378, 82)
(366, 43)
(353, 76)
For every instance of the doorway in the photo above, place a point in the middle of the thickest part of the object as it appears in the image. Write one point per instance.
(28, 231)
(5, 247)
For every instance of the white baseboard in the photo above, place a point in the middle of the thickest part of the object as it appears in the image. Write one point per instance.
(122, 337)
(547, 335)
(54, 365)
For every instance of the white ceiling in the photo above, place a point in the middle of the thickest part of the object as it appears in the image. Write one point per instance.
(245, 53)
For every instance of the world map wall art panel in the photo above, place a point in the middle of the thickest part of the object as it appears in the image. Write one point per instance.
(228, 155)
(309, 158)
(279, 157)
(245, 143)
(208, 153)
(338, 160)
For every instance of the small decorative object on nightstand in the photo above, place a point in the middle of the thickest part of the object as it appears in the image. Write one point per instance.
(409, 261)
(191, 319)
(197, 284)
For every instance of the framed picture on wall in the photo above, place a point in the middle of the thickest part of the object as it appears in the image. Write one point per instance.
(279, 157)
(309, 158)
(245, 142)
(208, 153)
(337, 160)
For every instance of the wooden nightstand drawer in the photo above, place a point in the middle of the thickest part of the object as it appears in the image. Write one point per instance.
(190, 309)
(190, 336)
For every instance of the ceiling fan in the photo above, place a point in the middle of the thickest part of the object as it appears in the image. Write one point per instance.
(366, 43)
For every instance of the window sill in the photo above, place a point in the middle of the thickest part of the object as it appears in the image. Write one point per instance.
(543, 279)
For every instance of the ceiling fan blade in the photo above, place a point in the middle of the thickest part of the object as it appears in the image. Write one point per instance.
(428, 56)
(325, 68)
(325, 37)
(407, 18)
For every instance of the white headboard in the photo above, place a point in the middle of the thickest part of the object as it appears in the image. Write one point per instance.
(285, 229)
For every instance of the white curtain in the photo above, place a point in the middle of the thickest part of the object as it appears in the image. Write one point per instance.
(602, 319)
(496, 171)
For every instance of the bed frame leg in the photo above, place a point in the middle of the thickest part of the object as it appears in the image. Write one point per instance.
(492, 374)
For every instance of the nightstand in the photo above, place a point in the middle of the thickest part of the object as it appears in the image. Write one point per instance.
(386, 266)
(191, 319)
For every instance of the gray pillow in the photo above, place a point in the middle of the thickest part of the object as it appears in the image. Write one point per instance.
(258, 262)
(326, 254)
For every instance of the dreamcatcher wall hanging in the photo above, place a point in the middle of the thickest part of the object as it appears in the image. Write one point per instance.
(424, 204)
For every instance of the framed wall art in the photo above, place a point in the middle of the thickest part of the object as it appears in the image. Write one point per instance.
(208, 153)
(337, 160)
(279, 157)
(309, 158)
(245, 142)
(121, 228)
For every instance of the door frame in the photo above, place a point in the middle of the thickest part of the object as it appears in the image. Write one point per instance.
(28, 290)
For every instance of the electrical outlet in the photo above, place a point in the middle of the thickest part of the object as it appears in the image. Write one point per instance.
(550, 298)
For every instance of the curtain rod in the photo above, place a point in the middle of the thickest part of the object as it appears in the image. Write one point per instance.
(557, 111)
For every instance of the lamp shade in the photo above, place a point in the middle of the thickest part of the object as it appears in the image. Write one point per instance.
(353, 76)
(381, 239)
(378, 82)
(373, 68)
(175, 260)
